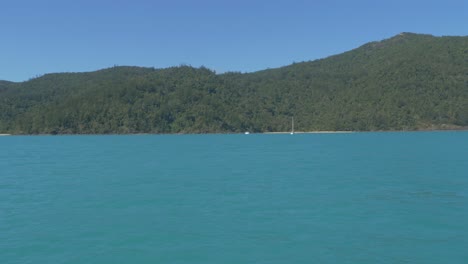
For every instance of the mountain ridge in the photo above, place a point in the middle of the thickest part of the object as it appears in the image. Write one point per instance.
(399, 35)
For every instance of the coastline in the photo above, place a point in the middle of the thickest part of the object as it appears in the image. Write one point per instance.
(465, 129)
(310, 132)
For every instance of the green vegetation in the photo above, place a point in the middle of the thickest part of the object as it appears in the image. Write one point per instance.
(407, 82)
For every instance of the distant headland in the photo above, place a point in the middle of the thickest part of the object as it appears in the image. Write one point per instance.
(408, 82)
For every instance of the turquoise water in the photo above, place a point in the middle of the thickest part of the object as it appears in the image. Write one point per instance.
(307, 198)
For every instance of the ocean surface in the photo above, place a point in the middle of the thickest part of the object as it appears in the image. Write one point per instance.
(307, 198)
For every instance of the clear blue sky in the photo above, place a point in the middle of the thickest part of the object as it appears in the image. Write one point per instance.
(39, 37)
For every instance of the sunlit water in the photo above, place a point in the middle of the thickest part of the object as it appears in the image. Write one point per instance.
(306, 198)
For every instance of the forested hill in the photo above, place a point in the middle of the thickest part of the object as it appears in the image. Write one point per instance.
(407, 82)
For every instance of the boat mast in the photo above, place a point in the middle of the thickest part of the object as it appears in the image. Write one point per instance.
(292, 125)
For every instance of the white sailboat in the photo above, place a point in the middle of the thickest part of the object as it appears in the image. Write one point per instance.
(292, 125)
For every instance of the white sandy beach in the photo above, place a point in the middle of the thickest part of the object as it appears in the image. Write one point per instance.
(309, 132)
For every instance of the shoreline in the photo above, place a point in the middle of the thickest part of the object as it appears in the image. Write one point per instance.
(252, 133)
(313, 132)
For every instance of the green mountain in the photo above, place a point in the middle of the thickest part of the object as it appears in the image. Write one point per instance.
(407, 82)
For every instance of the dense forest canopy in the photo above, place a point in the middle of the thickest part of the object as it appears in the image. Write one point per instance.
(407, 82)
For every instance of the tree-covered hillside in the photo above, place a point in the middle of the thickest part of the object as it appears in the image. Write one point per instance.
(407, 82)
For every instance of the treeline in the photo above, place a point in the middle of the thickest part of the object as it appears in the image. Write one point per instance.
(407, 82)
